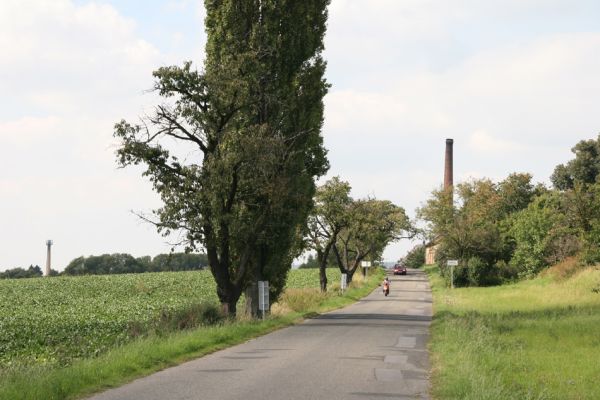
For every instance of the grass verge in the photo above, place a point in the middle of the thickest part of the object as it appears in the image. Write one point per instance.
(150, 354)
(536, 339)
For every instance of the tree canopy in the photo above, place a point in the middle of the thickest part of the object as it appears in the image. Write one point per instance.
(253, 118)
(583, 169)
(328, 217)
(120, 263)
(373, 224)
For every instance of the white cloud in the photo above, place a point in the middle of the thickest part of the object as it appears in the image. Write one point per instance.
(27, 130)
(481, 141)
(69, 72)
(507, 99)
(60, 58)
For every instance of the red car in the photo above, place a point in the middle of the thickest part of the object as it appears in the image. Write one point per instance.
(399, 270)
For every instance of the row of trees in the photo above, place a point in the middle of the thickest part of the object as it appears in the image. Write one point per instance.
(415, 258)
(514, 229)
(18, 273)
(118, 263)
(353, 230)
(127, 264)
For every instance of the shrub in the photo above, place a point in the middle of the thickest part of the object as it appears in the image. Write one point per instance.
(506, 272)
(481, 273)
(415, 257)
(461, 275)
(534, 230)
(202, 314)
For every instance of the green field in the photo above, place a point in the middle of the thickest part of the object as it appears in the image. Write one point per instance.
(144, 354)
(537, 339)
(56, 320)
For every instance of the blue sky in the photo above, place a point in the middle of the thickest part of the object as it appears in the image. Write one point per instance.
(514, 82)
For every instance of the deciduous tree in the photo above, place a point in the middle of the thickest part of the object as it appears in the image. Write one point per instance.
(251, 122)
(331, 213)
(373, 224)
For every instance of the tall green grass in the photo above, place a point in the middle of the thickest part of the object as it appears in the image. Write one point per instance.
(537, 339)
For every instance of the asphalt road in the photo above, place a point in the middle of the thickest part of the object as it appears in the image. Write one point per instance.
(374, 349)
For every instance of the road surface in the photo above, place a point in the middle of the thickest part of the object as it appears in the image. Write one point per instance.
(374, 349)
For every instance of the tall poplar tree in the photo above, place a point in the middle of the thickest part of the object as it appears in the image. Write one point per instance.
(254, 115)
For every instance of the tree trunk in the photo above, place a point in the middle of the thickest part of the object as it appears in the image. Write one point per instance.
(229, 308)
(323, 276)
(349, 275)
(251, 292)
(351, 271)
(322, 257)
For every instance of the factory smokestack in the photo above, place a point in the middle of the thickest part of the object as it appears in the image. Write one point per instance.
(448, 172)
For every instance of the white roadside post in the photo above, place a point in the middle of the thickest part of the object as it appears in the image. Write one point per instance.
(344, 283)
(365, 265)
(263, 297)
(452, 264)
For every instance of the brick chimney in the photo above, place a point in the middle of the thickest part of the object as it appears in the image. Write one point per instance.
(448, 173)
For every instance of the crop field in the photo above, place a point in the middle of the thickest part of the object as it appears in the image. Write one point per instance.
(306, 278)
(56, 320)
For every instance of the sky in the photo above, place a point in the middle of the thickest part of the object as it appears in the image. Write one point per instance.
(515, 83)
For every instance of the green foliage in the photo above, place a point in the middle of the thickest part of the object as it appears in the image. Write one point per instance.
(478, 228)
(373, 224)
(203, 314)
(254, 115)
(18, 273)
(516, 192)
(177, 262)
(127, 264)
(480, 273)
(583, 169)
(415, 258)
(311, 262)
(535, 231)
(330, 214)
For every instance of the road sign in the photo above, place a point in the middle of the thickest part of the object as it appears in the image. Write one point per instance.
(344, 283)
(452, 264)
(365, 264)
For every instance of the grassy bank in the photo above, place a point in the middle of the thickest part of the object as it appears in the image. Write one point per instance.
(145, 355)
(537, 339)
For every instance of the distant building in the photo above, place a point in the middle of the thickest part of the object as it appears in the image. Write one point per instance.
(430, 251)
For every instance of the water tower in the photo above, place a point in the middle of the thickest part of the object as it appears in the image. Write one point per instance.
(48, 258)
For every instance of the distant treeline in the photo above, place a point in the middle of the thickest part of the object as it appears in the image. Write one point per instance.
(312, 262)
(118, 263)
(31, 272)
(121, 263)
